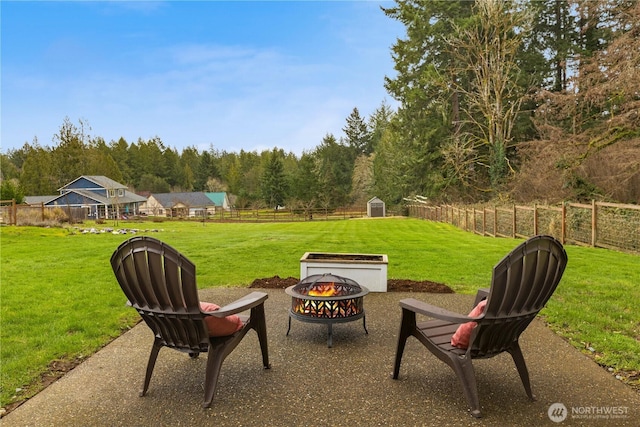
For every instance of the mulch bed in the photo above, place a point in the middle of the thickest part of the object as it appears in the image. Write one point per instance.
(393, 285)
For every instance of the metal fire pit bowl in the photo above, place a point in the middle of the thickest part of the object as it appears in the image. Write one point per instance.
(327, 298)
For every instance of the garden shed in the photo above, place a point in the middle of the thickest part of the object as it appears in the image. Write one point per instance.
(375, 208)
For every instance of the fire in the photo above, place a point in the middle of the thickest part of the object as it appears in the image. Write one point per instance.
(327, 308)
(323, 290)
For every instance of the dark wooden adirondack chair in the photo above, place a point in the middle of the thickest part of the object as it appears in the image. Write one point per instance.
(521, 285)
(160, 284)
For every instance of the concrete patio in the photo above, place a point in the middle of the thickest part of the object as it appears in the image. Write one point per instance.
(346, 385)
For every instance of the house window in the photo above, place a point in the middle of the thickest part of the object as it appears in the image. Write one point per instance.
(112, 193)
(120, 192)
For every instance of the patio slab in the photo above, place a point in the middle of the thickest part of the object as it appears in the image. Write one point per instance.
(311, 384)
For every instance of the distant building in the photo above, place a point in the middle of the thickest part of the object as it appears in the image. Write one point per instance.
(375, 208)
(183, 205)
(220, 199)
(98, 196)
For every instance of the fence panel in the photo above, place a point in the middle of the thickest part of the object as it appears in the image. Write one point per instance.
(504, 219)
(579, 224)
(618, 226)
(550, 221)
(524, 221)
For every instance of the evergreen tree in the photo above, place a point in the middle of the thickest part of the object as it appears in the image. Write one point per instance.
(190, 162)
(357, 133)
(304, 183)
(100, 162)
(8, 169)
(273, 186)
(69, 157)
(334, 168)
(379, 122)
(119, 151)
(10, 190)
(206, 170)
(429, 112)
(37, 177)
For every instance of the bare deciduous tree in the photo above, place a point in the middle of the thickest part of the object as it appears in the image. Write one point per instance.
(589, 146)
(486, 52)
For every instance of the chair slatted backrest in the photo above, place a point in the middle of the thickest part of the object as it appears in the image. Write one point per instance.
(522, 283)
(160, 284)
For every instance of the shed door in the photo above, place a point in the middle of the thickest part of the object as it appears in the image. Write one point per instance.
(377, 209)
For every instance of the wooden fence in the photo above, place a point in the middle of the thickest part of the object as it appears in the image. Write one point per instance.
(20, 214)
(599, 224)
(12, 213)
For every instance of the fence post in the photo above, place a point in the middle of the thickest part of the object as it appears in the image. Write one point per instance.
(472, 224)
(535, 220)
(484, 221)
(14, 208)
(42, 210)
(563, 225)
(514, 220)
(594, 223)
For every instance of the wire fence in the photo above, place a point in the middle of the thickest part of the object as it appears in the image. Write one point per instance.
(599, 224)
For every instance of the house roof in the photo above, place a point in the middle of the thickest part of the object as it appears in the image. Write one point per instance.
(100, 180)
(169, 200)
(128, 197)
(36, 200)
(217, 198)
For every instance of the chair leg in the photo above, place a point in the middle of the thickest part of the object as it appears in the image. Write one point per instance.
(150, 365)
(407, 327)
(257, 316)
(214, 363)
(518, 358)
(467, 376)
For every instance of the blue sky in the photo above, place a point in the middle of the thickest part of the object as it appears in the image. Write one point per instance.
(232, 74)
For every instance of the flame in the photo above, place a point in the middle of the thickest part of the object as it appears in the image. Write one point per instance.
(323, 290)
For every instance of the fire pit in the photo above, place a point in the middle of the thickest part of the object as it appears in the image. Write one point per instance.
(327, 298)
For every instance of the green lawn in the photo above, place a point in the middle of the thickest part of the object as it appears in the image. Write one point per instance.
(60, 301)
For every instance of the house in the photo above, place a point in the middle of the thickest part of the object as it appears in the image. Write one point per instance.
(99, 196)
(186, 205)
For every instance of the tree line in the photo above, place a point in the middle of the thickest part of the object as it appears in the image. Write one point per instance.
(498, 99)
(333, 174)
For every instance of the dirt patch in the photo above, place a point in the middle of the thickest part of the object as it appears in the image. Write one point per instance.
(393, 285)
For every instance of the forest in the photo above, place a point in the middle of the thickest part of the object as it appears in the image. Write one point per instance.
(504, 101)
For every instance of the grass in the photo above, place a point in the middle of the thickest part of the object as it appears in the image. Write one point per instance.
(59, 299)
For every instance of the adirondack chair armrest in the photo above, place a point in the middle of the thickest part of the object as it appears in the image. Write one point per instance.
(243, 304)
(430, 310)
(480, 295)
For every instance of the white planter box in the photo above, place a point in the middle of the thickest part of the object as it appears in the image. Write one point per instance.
(369, 270)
